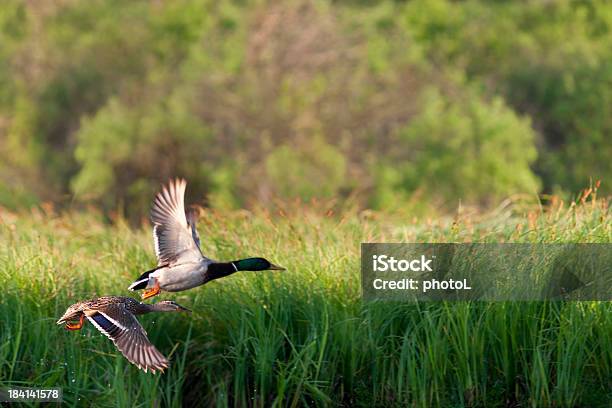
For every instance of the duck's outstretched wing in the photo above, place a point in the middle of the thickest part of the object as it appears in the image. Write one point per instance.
(192, 215)
(119, 325)
(174, 243)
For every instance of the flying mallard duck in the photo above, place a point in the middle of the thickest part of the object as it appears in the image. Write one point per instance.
(181, 265)
(114, 317)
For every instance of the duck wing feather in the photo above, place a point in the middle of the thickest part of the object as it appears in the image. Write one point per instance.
(174, 240)
(130, 338)
(191, 216)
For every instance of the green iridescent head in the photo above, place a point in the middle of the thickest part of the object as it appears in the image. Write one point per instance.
(256, 264)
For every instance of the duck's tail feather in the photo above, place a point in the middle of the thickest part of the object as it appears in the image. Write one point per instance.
(143, 280)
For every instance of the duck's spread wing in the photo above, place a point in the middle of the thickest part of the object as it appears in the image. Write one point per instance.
(191, 216)
(125, 331)
(172, 236)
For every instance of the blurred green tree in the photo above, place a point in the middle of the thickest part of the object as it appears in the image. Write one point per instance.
(461, 146)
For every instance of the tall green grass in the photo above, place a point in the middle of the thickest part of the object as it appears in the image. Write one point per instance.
(301, 337)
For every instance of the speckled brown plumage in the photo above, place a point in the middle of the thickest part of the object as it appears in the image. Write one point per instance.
(114, 316)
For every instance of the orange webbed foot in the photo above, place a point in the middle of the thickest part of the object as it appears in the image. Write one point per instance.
(151, 292)
(76, 326)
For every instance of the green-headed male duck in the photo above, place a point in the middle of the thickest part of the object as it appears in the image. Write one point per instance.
(181, 265)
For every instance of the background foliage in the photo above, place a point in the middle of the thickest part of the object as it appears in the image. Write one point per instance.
(379, 101)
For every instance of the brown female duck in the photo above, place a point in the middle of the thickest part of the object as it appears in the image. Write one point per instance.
(115, 317)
